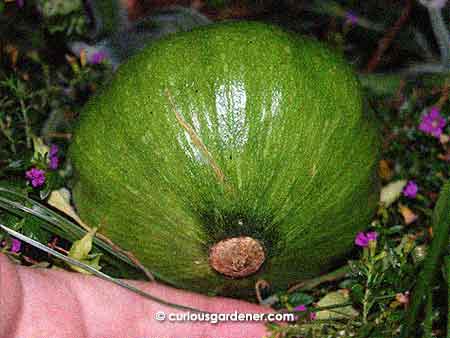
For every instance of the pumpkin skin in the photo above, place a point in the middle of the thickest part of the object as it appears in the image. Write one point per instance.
(234, 129)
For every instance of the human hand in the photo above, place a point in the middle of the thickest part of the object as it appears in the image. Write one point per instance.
(50, 303)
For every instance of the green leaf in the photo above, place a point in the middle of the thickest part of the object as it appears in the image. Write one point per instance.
(80, 251)
(334, 299)
(40, 148)
(357, 293)
(94, 262)
(396, 229)
(31, 227)
(17, 165)
(299, 298)
(447, 270)
(59, 7)
(441, 227)
(428, 323)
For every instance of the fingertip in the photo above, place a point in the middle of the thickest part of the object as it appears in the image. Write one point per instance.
(11, 296)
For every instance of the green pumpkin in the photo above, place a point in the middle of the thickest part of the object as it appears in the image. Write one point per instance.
(231, 153)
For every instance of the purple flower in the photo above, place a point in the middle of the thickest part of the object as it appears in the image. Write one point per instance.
(363, 239)
(410, 190)
(97, 57)
(20, 3)
(312, 315)
(53, 157)
(432, 123)
(372, 236)
(36, 177)
(15, 246)
(351, 18)
(53, 163)
(300, 307)
(53, 150)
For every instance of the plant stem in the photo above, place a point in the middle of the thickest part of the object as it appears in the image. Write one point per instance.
(386, 41)
(366, 306)
(27, 123)
(428, 323)
(329, 277)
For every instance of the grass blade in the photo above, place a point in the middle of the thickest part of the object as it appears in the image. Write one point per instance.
(441, 227)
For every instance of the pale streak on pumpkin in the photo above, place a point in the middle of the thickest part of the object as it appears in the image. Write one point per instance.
(196, 140)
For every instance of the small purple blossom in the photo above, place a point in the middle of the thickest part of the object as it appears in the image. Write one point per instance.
(53, 163)
(20, 3)
(16, 245)
(410, 190)
(36, 177)
(351, 18)
(312, 315)
(97, 57)
(301, 307)
(372, 236)
(53, 157)
(432, 123)
(363, 239)
(53, 150)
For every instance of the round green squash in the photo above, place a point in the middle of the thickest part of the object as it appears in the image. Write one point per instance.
(231, 153)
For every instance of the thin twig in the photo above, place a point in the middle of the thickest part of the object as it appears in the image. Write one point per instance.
(66, 136)
(260, 283)
(329, 277)
(444, 95)
(128, 254)
(27, 123)
(398, 98)
(386, 41)
(296, 287)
